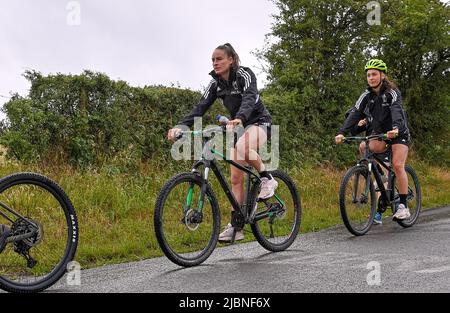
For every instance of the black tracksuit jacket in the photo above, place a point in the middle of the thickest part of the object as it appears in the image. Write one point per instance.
(383, 112)
(239, 95)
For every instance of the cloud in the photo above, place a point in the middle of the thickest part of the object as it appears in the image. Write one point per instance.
(142, 42)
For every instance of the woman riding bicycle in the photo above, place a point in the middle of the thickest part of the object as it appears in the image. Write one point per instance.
(236, 86)
(381, 106)
(363, 126)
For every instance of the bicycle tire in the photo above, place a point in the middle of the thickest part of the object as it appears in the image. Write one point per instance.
(36, 180)
(418, 196)
(256, 227)
(165, 246)
(345, 212)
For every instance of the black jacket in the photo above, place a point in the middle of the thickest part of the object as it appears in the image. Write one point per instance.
(383, 112)
(239, 95)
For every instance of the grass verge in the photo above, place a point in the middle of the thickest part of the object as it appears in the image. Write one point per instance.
(115, 210)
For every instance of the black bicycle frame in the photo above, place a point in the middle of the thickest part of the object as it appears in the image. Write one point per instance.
(369, 158)
(212, 164)
(20, 237)
(209, 162)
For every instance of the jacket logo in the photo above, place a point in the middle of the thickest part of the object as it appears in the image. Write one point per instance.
(385, 101)
(235, 90)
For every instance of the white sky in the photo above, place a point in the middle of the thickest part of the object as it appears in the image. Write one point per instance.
(144, 42)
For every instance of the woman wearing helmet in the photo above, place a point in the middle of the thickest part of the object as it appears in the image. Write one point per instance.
(381, 106)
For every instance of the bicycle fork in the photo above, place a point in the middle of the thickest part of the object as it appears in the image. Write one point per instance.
(193, 217)
(363, 198)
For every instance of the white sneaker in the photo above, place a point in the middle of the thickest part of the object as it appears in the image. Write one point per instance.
(227, 234)
(402, 212)
(268, 187)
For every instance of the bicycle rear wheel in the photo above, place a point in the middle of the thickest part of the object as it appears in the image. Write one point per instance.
(277, 220)
(186, 237)
(414, 198)
(35, 207)
(357, 206)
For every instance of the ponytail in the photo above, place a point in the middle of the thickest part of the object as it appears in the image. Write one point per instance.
(229, 50)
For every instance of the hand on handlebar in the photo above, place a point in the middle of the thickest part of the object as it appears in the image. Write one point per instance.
(233, 123)
(392, 133)
(339, 139)
(173, 134)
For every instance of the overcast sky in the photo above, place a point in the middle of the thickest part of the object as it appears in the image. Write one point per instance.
(143, 42)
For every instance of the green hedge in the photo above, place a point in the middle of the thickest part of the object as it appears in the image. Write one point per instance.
(89, 119)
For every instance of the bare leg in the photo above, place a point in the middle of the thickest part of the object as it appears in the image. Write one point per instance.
(374, 146)
(377, 146)
(253, 138)
(245, 153)
(399, 155)
(237, 178)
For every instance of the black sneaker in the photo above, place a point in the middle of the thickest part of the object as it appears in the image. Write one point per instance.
(4, 233)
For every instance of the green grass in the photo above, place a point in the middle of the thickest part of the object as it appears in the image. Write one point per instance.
(115, 210)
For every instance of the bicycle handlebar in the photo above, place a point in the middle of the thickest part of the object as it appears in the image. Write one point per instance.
(201, 132)
(223, 120)
(366, 138)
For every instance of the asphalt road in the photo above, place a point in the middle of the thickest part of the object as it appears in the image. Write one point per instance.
(387, 259)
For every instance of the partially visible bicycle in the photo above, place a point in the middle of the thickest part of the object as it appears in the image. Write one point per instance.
(43, 232)
(187, 216)
(358, 198)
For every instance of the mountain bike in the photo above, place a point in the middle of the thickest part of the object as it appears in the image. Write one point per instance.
(187, 216)
(43, 232)
(358, 198)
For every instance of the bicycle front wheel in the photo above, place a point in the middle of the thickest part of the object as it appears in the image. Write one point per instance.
(357, 203)
(276, 221)
(186, 233)
(44, 232)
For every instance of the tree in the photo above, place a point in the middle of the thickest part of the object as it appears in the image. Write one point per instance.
(415, 40)
(316, 68)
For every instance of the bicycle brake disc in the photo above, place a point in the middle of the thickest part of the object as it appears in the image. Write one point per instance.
(190, 220)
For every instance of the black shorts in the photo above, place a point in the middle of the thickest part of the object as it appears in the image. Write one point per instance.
(384, 155)
(265, 123)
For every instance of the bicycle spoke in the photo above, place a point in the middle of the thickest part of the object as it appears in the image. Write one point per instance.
(35, 263)
(413, 199)
(277, 219)
(356, 201)
(184, 231)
